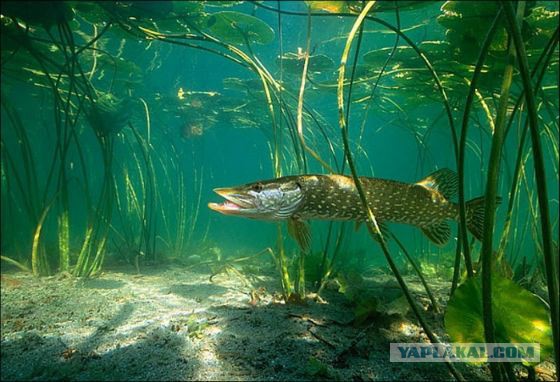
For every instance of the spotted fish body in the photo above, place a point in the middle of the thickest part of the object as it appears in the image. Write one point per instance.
(335, 197)
(425, 204)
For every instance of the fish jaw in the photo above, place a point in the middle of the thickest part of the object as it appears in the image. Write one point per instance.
(236, 203)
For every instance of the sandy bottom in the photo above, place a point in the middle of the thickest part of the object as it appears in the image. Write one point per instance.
(176, 324)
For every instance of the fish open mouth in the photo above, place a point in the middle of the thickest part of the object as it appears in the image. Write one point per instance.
(224, 207)
(233, 203)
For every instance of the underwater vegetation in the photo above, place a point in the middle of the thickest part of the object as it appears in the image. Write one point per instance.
(99, 165)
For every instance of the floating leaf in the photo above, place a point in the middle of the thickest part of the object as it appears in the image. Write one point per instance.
(519, 316)
(355, 6)
(328, 6)
(401, 5)
(108, 114)
(221, 3)
(90, 11)
(543, 18)
(144, 9)
(467, 24)
(378, 57)
(293, 63)
(234, 83)
(541, 24)
(237, 28)
(435, 51)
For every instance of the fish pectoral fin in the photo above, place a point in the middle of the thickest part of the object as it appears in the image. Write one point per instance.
(299, 230)
(438, 233)
(445, 181)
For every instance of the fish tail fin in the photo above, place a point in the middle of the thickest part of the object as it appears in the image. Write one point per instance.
(475, 216)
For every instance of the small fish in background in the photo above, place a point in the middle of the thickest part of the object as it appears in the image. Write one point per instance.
(425, 204)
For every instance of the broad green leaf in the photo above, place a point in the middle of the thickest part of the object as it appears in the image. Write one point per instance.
(328, 6)
(293, 63)
(519, 316)
(236, 28)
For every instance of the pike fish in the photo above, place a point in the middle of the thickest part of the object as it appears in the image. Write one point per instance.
(425, 204)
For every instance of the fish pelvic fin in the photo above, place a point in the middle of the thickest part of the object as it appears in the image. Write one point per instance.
(299, 230)
(438, 233)
(445, 181)
(475, 216)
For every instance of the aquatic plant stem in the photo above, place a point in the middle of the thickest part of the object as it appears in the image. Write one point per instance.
(300, 287)
(371, 221)
(283, 264)
(490, 201)
(463, 140)
(39, 264)
(550, 259)
(418, 272)
(381, 72)
(519, 163)
(300, 99)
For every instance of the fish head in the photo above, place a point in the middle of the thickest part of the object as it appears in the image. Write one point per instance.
(266, 200)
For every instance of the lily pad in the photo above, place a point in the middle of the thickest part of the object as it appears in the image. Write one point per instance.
(143, 9)
(543, 18)
(252, 86)
(118, 70)
(109, 114)
(221, 3)
(293, 63)
(355, 6)
(519, 316)
(434, 50)
(90, 11)
(466, 26)
(402, 5)
(378, 57)
(237, 28)
(328, 6)
(234, 83)
(541, 24)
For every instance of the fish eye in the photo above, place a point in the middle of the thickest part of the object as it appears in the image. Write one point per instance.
(258, 187)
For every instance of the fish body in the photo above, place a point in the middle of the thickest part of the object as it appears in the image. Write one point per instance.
(425, 204)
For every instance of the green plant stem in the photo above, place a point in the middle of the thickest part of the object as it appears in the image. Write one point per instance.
(550, 259)
(371, 221)
(547, 56)
(418, 272)
(462, 144)
(39, 264)
(381, 72)
(456, 266)
(490, 202)
(282, 263)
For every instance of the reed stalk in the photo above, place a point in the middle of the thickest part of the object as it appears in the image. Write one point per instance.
(371, 221)
(462, 143)
(550, 259)
(490, 200)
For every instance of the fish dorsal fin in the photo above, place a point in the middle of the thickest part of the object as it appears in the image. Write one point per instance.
(445, 181)
(439, 233)
(299, 230)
